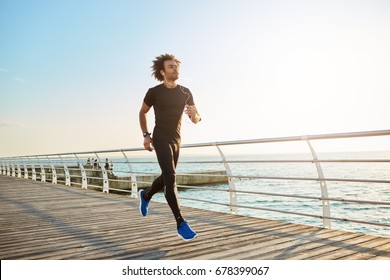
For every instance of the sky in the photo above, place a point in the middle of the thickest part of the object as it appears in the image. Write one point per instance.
(73, 74)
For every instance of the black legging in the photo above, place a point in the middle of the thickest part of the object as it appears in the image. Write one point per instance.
(167, 156)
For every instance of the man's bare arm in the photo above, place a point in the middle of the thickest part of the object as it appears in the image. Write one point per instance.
(148, 141)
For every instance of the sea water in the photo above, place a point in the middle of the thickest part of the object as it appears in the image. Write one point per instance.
(340, 190)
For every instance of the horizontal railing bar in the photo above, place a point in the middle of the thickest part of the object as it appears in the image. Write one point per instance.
(203, 174)
(141, 162)
(294, 138)
(225, 143)
(293, 161)
(94, 186)
(85, 153)
(318, 198)
(60, 165)
(293, 196)
(121, 171)
(310, 179)
(203, 188)
(295, 178)
(288, 212)
(117, 180)
(98, 178)
(121, 190)
(94, 170)
(144, 173)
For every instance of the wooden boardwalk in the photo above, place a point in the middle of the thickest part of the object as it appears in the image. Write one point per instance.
(45, 221)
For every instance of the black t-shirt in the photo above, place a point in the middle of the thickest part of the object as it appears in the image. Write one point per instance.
(168, 104)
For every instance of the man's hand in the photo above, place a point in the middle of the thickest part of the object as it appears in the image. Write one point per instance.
(192, 113)
(148, 143)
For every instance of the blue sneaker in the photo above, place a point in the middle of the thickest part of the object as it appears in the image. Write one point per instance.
(185, 232)
(143, 204)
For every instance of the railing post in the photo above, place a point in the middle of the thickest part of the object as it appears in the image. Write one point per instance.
(25, 169)
(54, 174)
(232, 185)
(324, 190)
(33, 173)
(19, 170)
(6, 168)
(53, 171)
(134, 185)
(43, 174)
(66, 170)
(13, 174)
(84, 182)
(67, 175)
(106, 186)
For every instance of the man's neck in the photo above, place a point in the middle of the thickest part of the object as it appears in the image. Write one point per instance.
(170, 84)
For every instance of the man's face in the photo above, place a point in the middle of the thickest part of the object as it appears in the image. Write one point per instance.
(171, 71)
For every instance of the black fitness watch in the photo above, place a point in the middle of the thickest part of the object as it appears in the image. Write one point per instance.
(146, 134)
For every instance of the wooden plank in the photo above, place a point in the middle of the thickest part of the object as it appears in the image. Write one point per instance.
(379, 247)
(268, 247)
(332, 244)
(351, 247)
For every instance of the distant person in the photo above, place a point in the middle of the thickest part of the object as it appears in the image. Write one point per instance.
(168, 100)
(88, 163)
(96, 164)
(108, 166)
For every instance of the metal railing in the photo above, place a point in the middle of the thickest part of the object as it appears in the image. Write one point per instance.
(126, 170)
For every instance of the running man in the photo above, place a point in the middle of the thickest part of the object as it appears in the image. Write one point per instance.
(169, 100)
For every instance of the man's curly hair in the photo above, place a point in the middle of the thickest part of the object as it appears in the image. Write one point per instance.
(158, 65)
